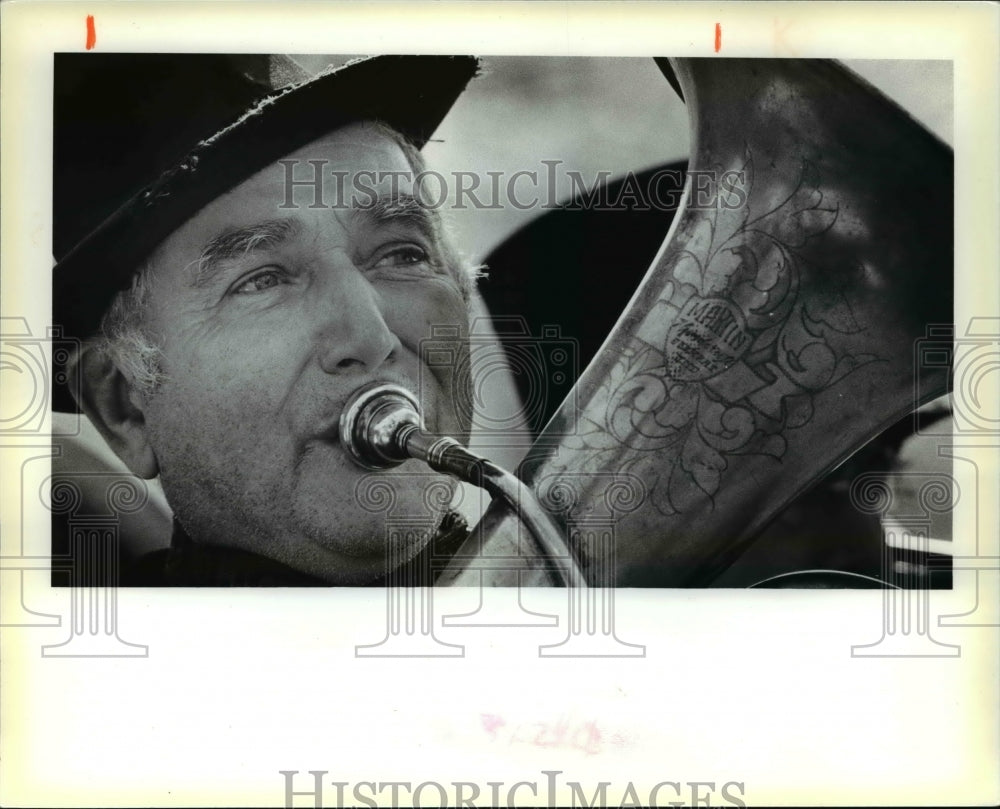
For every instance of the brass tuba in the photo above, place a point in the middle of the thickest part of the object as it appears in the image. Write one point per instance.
(774, 334)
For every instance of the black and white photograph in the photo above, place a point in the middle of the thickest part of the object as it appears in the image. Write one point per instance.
(497, 421)
(670, 403)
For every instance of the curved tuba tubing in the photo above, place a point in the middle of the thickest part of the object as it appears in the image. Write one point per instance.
(775, 333)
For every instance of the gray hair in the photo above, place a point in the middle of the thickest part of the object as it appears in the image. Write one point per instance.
(124, 339)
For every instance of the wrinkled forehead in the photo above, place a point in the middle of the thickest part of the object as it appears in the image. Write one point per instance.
(347, 170)
(357, 147)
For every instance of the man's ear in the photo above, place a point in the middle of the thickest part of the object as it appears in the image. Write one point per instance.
(115, 408)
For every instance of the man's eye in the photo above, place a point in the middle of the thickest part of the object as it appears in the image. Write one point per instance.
(258, 282)
(402, 256)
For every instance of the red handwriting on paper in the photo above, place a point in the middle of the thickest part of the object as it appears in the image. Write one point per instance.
(91, 32)
(718, 37)
(492, 723)
(571, 734)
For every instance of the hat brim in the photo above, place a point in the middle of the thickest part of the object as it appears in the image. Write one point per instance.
(412, 94)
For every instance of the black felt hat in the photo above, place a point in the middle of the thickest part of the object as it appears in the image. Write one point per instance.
(142, 142)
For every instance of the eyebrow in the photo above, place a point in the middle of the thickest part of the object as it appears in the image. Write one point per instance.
(402, 208)
(238, 242)
(234, 243)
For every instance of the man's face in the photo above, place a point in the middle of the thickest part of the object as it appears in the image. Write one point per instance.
(268, 319)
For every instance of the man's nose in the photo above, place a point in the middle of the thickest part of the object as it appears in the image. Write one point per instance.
(354, 335)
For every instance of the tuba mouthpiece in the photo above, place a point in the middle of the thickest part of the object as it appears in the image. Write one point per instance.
(375, 422)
